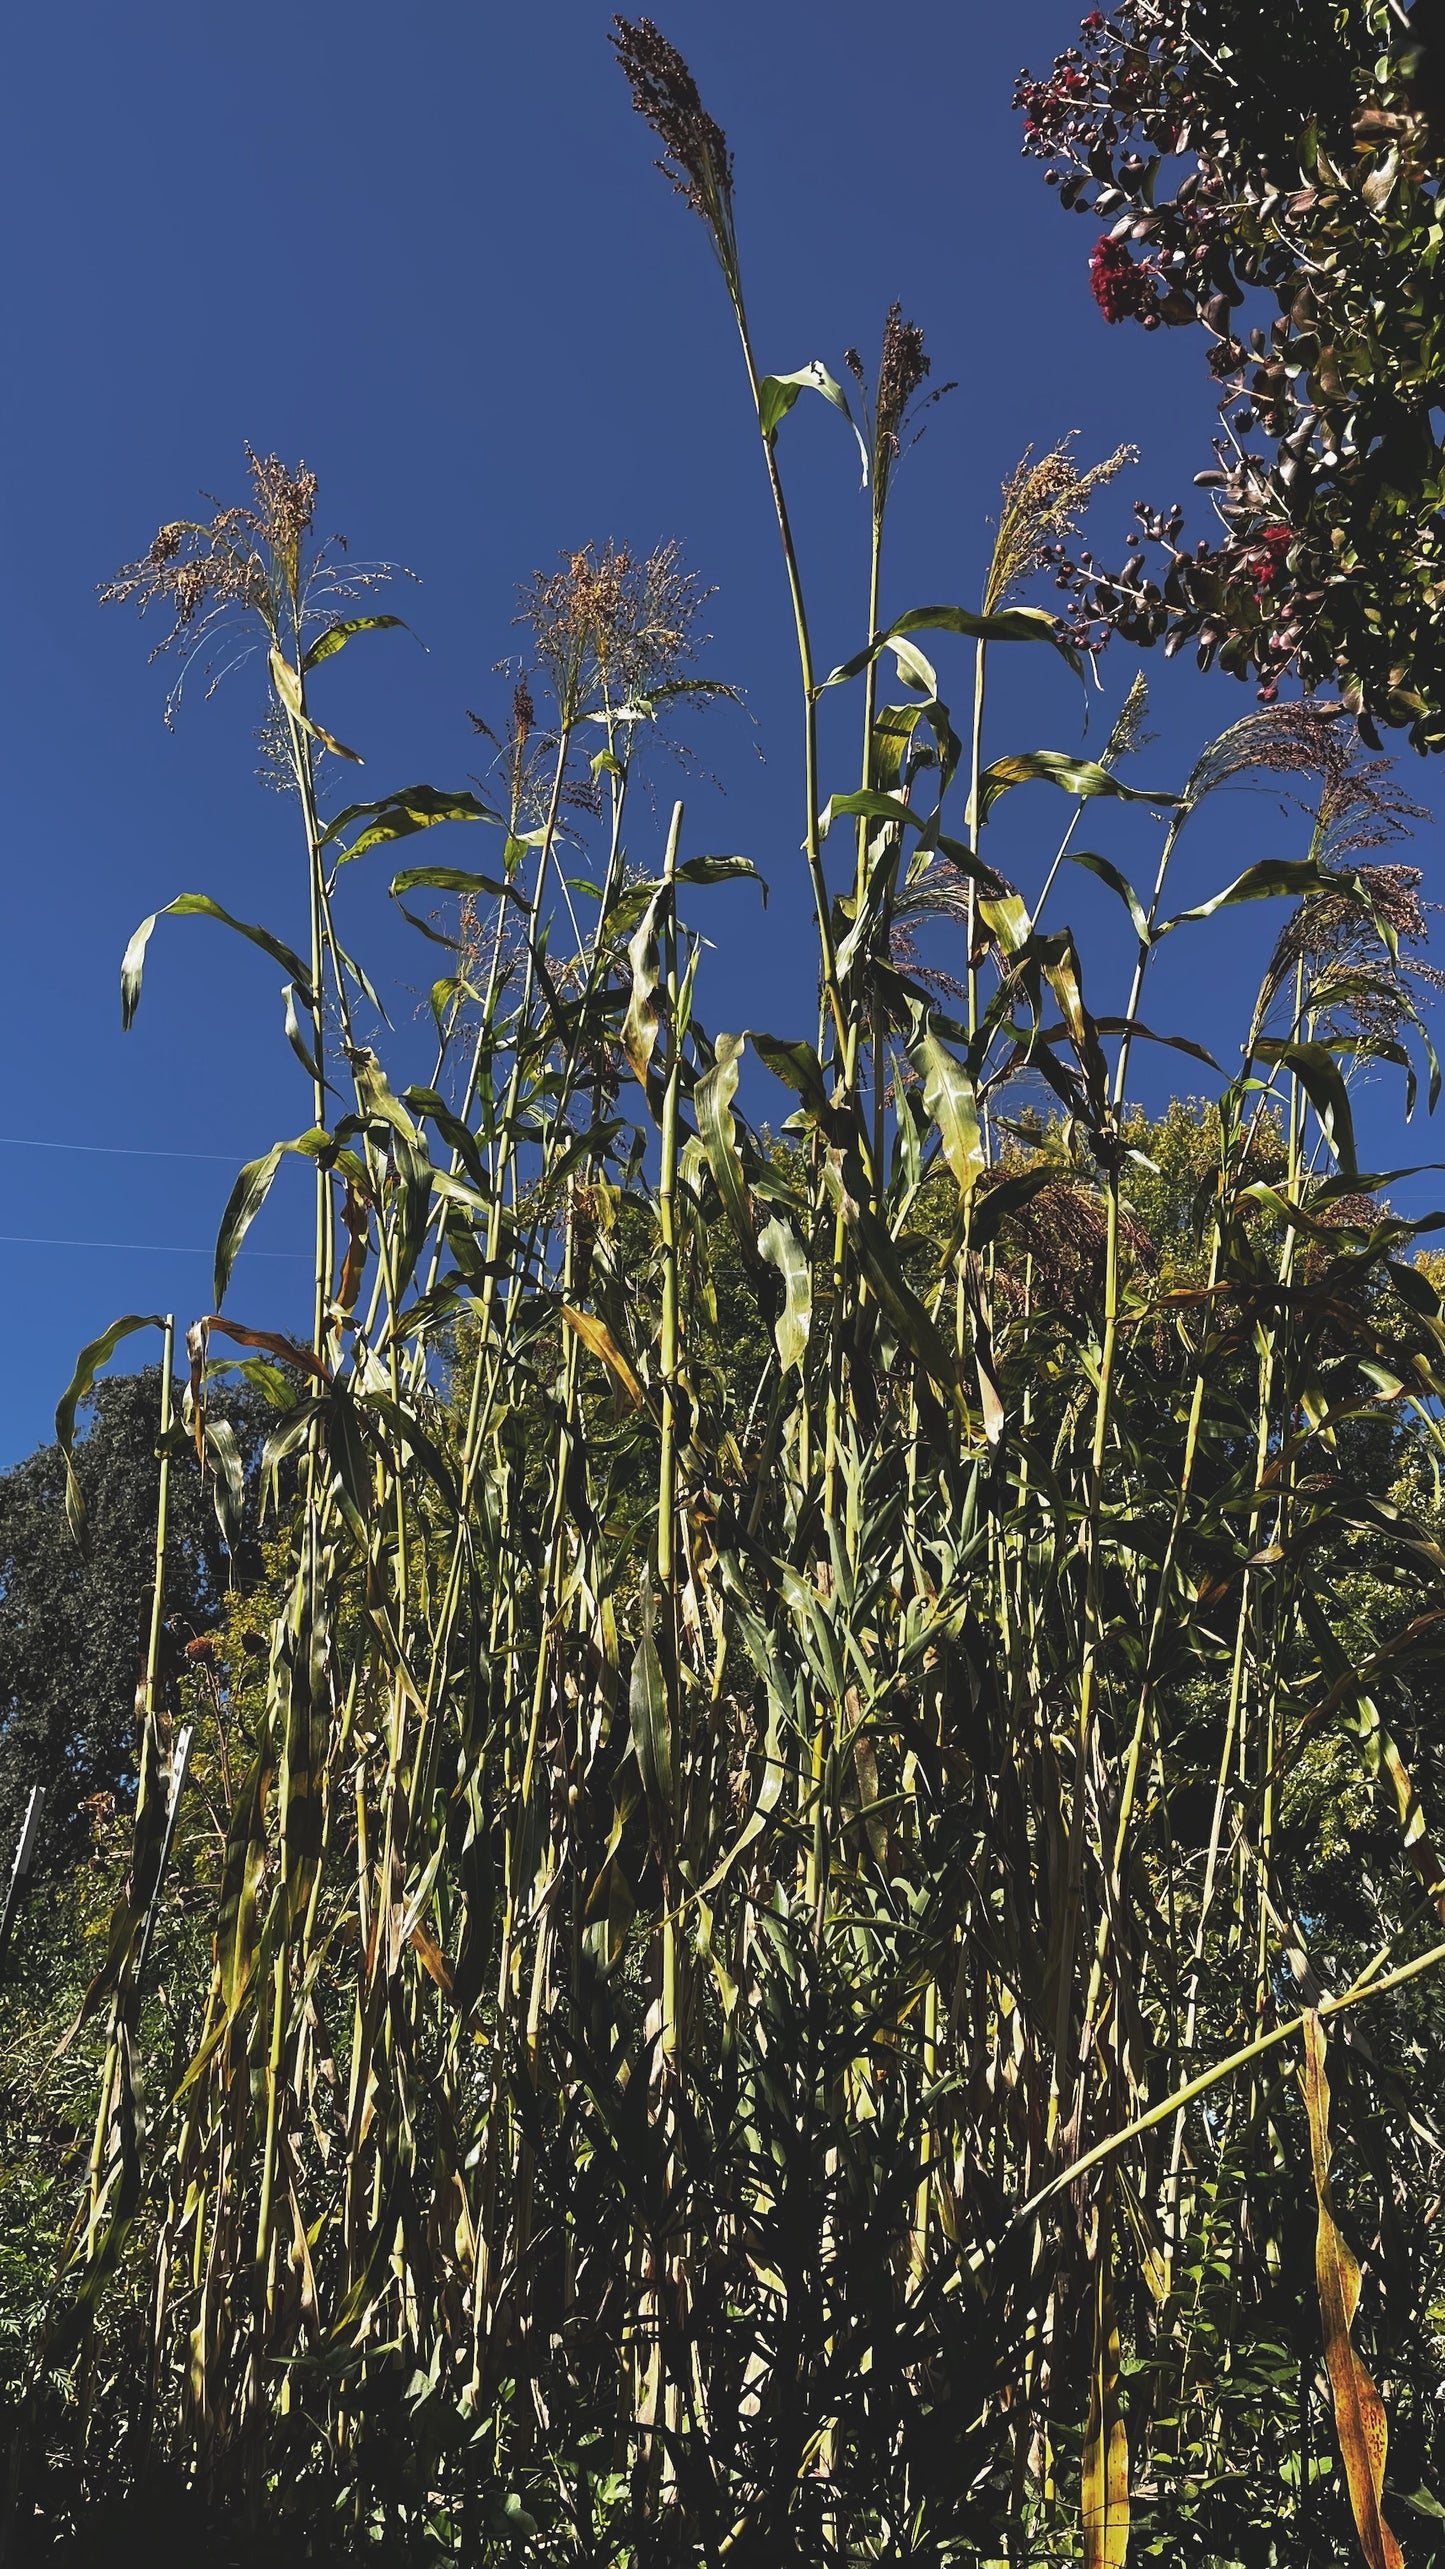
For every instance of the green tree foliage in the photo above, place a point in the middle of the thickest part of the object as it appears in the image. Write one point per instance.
(73, 1626)
(1273, 175)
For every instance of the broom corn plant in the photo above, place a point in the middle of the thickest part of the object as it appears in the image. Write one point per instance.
(758, 1998)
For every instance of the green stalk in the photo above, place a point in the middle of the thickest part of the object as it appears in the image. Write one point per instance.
(974, 820)
(667, 1561)
(1091, 1537)
(125, 1998)
(163, 1498)
(1145, 949)
(812, 846)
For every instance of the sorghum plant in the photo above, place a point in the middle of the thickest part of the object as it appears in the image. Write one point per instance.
(764, 1997)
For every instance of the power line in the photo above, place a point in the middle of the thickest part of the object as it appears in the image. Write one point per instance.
(143, 1248)
(110, 1150)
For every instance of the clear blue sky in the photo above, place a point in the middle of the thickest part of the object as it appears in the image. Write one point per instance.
(423, 247)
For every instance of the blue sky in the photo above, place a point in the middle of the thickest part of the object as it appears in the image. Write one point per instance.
(424, 248)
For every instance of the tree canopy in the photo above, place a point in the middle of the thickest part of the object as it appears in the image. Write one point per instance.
(73, 1624)
(1272, 176)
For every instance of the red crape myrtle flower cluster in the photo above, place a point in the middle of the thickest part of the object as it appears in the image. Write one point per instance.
(1124, 289)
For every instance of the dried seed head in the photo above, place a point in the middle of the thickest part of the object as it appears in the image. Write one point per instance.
(695, 149)
(609, 625)
(253, 561)
(1043, 502)
(902, 368)
(1128, 734)
(1348, 943)
(1351, 1213)
(1064, 1231)
(285, 507)
(1297, 739)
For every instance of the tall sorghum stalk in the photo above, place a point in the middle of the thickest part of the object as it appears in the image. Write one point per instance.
(743, 1957)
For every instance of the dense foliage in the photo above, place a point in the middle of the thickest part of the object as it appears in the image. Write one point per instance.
(73, 1629)
(814, 1827)
(1273, 174)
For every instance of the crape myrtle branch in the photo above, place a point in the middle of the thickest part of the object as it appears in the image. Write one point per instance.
(1273, 177)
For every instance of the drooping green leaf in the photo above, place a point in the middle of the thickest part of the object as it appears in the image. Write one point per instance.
(400, 815)
(879, 1257)
(721, 869)
(241, 1877)
(797, 1065)
(451, 878)
(341, 1421)
(1081, 776)
(1009, 624)
(994, 1204)
(1320, 1076)
(1134, 1026)
(1269, 881)
(779, 1244)
(1007, 917)
(913, 666)
(777, 394)
(893, 730)
(712, 1105)
(87, 1366)
(228, 1481)
(651, 1733)
(1117, 882)
(869, 805)
(296, 1038)
(458, 1136)
(337, 635)
(247, 1196)
(949, 1097)
(249, 1193)
(199, 905)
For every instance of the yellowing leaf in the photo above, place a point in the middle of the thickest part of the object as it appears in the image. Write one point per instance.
(1106, 2444)
(594, 1333)
(287, 683)
(1359, 2410)
(432, 1959)
(639, 1026)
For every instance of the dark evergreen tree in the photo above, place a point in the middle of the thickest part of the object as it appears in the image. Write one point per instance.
(72, 1628)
